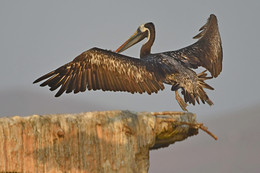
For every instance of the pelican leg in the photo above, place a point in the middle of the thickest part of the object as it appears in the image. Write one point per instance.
(181, 102)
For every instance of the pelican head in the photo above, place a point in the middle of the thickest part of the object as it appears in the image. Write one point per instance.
(143, 31)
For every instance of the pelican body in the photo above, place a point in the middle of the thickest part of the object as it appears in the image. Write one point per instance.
(111, 71)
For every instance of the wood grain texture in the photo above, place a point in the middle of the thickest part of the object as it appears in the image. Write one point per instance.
(110, 141)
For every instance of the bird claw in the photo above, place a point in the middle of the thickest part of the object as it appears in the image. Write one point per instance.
(181, 102)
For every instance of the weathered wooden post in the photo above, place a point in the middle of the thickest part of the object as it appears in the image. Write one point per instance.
(110, 141)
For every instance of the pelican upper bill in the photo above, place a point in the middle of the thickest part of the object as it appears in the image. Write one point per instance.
(98, 69)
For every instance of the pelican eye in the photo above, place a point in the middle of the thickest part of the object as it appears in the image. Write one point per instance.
(142, 28)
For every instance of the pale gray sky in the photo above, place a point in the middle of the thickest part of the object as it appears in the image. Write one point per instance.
(37, 37)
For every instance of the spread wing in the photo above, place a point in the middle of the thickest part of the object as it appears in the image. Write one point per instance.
(100, 69)
(206, 52)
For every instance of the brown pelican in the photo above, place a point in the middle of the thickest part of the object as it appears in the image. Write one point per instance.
(110, 71)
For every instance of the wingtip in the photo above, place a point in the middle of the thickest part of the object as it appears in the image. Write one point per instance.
(57, 94)
(60, 92)
(44, 77)
(36, 81)
(213, 16)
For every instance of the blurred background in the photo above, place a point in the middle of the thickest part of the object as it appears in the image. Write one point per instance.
(37, 37)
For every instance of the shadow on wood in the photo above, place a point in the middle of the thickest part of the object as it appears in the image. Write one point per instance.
(110, 141)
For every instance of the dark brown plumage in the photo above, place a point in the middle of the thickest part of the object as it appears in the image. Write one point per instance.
(206, 52)
(100, 69)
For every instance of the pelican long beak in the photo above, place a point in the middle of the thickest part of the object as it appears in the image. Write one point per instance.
(135, 38)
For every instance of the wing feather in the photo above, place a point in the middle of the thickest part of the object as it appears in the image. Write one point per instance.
(63, 87)
(71, 83)
(101, 69)
(206, 52)
(49, 80)
(84, 80)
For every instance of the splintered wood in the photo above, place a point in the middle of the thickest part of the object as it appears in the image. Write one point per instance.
(193, 125)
